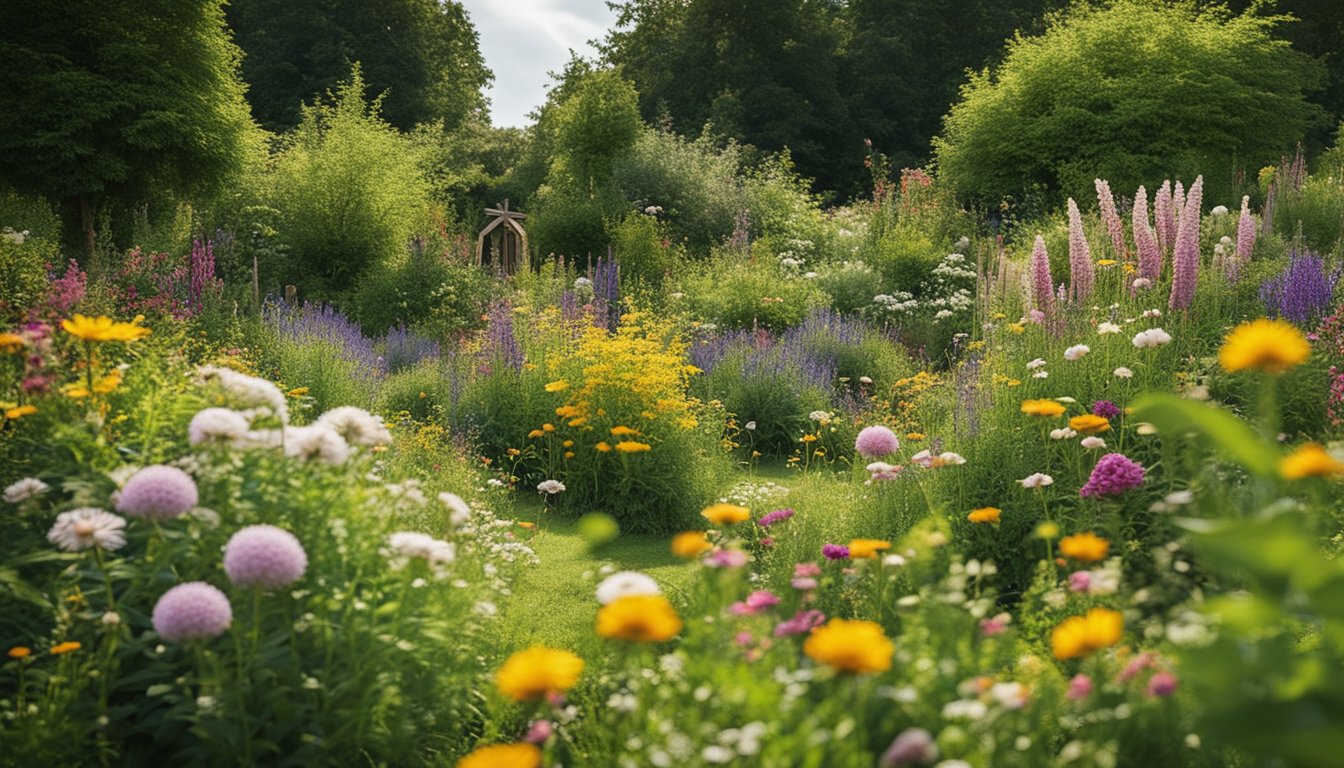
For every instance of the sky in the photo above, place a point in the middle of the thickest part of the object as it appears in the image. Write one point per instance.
(523, 40)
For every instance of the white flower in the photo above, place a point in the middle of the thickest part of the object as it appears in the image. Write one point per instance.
(246, 391)
(411, 544)
(1076, 352)
(811, 275)
(87, 527)
(1179, 498)
(1093, 443)
(942, 314)
(1063, 433)
(1147, 313)
(110, 619)
(1142, 282)
(550, 487)
(1041, 375)
(893, 561)
(316, 441)
(821, 416)
(1151, 338)
(865, 380)
(934, 460)
(216, 425)
(582, 282)
(750, 426)
(1034, 364)
(881, 470)
(1107, 328)
(1219, 210)
(1123, 373)
(1009, 695)
(25, 489)
(356, 425)
(1036, 480)
(459, 511)
(626, 584)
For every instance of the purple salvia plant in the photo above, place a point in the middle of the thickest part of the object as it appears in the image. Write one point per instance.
(1106, 201)
(324, 324)
(606, 277)
(1042, 285)
(1303, 292)
(403, 348)
(1245, 232)
(500, 342)
(1081, 274)
(63, 293)
(1145, 239)
(1185, 257)
(1164, 217)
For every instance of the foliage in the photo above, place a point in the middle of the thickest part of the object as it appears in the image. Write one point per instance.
(644, 253)
(24, 262)
(746, 294)
(423, 290)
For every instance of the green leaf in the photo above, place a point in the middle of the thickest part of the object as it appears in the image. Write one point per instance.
(1172, 415)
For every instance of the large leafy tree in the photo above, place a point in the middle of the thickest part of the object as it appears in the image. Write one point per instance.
(109, 101)
(422, 56)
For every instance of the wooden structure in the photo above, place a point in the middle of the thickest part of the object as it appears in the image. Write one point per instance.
(502, 245)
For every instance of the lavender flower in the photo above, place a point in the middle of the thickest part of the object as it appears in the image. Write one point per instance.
(1177, 210)
(1042, 284)
(403, 348)
(501, 345)
(1081, 273)
(1303, 292)
(264, 556)
(1106, 409)
(801, 623)
(192, 611)
(770, 518)
(1114, 474)
(1185, 258)
(312, 324)
(1106, 201)
(914, 746)
(1145, 240)
(835, 551)
(158, 493)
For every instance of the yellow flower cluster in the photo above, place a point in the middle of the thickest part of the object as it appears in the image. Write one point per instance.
(850, 646)
(531, 674)
(1080, 636)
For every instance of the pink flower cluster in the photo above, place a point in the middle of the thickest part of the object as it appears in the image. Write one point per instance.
(1114, 474)
(1081, 273)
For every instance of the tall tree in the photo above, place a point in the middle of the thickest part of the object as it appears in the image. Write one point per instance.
(109, 99)
(424, 56)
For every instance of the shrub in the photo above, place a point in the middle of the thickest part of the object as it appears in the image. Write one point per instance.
(643, 252)
(1315, 213)
(736, 293)
(851, 286)
(24, 261)
(433, 293)
(1111, 92)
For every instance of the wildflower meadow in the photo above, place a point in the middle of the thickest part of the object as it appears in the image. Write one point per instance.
(341, 426)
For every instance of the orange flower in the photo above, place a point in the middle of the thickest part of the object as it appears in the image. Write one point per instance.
(630, 446)
(1084, 547)
(624, 432)
(520, 755)
(985, 515)
(641, 618)
(867, 549)
(603, 447)
(1090, 424)
(65, 647)
(20, 412)
(11, 342)
(538, 671)
(1311, 460)
(1079, 636)
(725, 514)
(20, 652)
(1048, 408)
(690, 544)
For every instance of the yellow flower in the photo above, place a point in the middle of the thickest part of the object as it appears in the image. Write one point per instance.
(1272, 346)
(867, 549)
(513, 452)
(603, 446)
(809, 438)
(538, 671)
(1017, 327)
(1080, 636)
(1084, 547)
(547, 427)
(20, 412)
(579, 422)
(850, 646)
(569, 454)
(690, 544)
(630, 446)
(567, 444)
(10, 342)
(108, 383)
(1310, 460)
(1047, 530)
(534, 434)
(103, 329)
(725, 514)
(1105, 262)
(301, 391)
(914, 437)
(1090, 424)
(641, 618)
(624, 432)
(566, 411)
(520, 755)
(75, 391)
(1048, 408)
(20, 652)
(557, 386)
(65, 647)
(985, 515)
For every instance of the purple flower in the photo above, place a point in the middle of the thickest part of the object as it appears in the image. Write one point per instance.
(159, 493)
(1162, 684)
(835, 551)
(1164, 217)
(1106, 201)
(1113, 475)
(1185, 257)
(1080, 581)
(539, 732)
(1106, 409)
(1303, 292)
(876, 441)
(192, 611)
(779, 515)
(264, 556)
(757, 602)
(1042, 284)
(801, 623)
(914, 746)
(1145, 240)
(1081, 273)
(1080, 687)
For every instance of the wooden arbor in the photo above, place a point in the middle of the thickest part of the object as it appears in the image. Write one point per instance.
(503, 243)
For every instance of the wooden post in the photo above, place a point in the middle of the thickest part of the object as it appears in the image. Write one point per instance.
(291, 295)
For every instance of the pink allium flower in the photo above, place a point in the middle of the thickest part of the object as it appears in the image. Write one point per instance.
(1164, 217)
(835, 551)
(1185, 258)
(1145, 240)
(1080, 581)
(770, 518)
(876, 441)
(801, 623)
(1162, 684)
(1080, 687)
(1081, 271)
(806, 569)
(1114, 474)
(1178, 209)
(1042, 284)
(914, 746)
(159, 492)
(264, 556)
(192, 611)
(1106, 201)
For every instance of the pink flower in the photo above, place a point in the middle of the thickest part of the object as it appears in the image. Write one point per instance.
(1164, 217)
(876, 441)
(726, 558)
(264, 556)
(1145, 240)
(158, 493)
(1185, 258)
(539, 732)
(803, 583)
(1245, 237)
(1080, 581)
(779, 515)
(757, 602)
(914, 746)
(192, 611)
(1080, 687)
(835, 551)
(1106, 201)
(806, 569)
(992, 626)
(1161, 684)
(1081, 274)
(1114, 474)
(800, 624)
(1042, 284)
(743, 639)
(1143, 661)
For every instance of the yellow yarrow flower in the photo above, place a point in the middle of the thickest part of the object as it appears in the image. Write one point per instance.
(1080, 636)
(1048, 408)
(67, 647)
(557, 386)
(99, 329)
(538, 671)
(520, 755)
(1273, 346)
(1090, 424)
(1084, 547)
(725, 514)
(639, 618)
(985, 515)
(631, 446)
(603, 447)
(867, 549)
(20, 652)
(20, 411)
(11, 342)
(850, 646)
(1310, 460)
(624, 432)
(534, 434)
(690, 544)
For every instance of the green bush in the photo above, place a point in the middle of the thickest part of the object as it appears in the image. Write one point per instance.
(737, 293)
(904, 258)
(851, 286)
(571, 224)
(697, 186)
(1315, 212)
(1132, 92)
(643, 253)
(24, 261)
(422, 290)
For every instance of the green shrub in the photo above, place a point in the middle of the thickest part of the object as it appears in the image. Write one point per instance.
(737, 293)
(697, 186)
(422, 290)
(571, 224)
(904, 258)
(24, 261)
(1315, 213)
(641, 250)
(851, 286)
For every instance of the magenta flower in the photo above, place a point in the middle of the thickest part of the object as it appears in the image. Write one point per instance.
(726, 558)
(835, 551)
(757, 602)
(1185, 258)
(1162, 684)
(770, 518)
(539, 732)
(192, 611)
(1164, 217)
(1114, 474)
(264, 556)
(1145, 660)
(1106, 409)
(876, 441)
(1080, 687)
(1145, 239)
(801, 623)
(1042, 284)
(1081, 273)
(995, 625)
(158, 493)
(1106, 201)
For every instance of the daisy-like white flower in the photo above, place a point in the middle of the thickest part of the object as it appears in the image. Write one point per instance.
(217, 425)
(1151, 338)
(626, 584)
(1037, 363)
(1041, 375)
(1036, 480)
(1104, 329)
(1123, 373)
(550, 487)
(1093, 443)
(1063, 433)
(25, 489)
(88, 527)
(1076, 352)
(929, 460)
(1147, 313)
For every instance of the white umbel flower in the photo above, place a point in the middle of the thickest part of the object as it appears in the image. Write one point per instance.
(316, 441)
(1151, 338)
(356, 425)
(1076, 352)
(217, 425)
(1036, 480)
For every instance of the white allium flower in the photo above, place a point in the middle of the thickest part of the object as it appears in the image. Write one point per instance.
(356, 425)
(550, 487)
(1123, 373)
(1219, 210)
(1151, 338)
(1063, 433)
(865, 380)
(88, 527)
(750, 426)
(246, 391)
(1037, 363)
(1104, 329)
(1093, 443)
(25, 489)
(1076, 352)
(316, 441)
(626, 584)
(1141, 283)
(1036, 480)
(217, 425)
(411, 544)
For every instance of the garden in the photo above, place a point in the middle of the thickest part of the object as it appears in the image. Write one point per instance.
(774, 450)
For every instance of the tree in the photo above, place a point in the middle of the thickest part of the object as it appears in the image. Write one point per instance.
(1133, 92)
(423, 56)
(110, 100)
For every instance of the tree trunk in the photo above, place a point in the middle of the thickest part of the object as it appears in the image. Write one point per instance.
(86, 226)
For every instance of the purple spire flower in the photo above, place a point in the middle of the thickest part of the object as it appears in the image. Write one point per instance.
(1042, 284)
(264, 556)
(1113, 475)
(779, 515)
(1245, 236)
(1145, 240)
(1081, 275)
(192, 611)
(1185, 259)
(834, 551)
(1177, 210)
(159, 492)
(1164, 217)
(1303, 292)
(876, 441)
(1106, 409)
(1106, 201)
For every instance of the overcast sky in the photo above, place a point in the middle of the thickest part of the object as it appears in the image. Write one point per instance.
(522, 40)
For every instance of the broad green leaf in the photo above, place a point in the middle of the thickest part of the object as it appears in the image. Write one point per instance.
(1236, 438)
